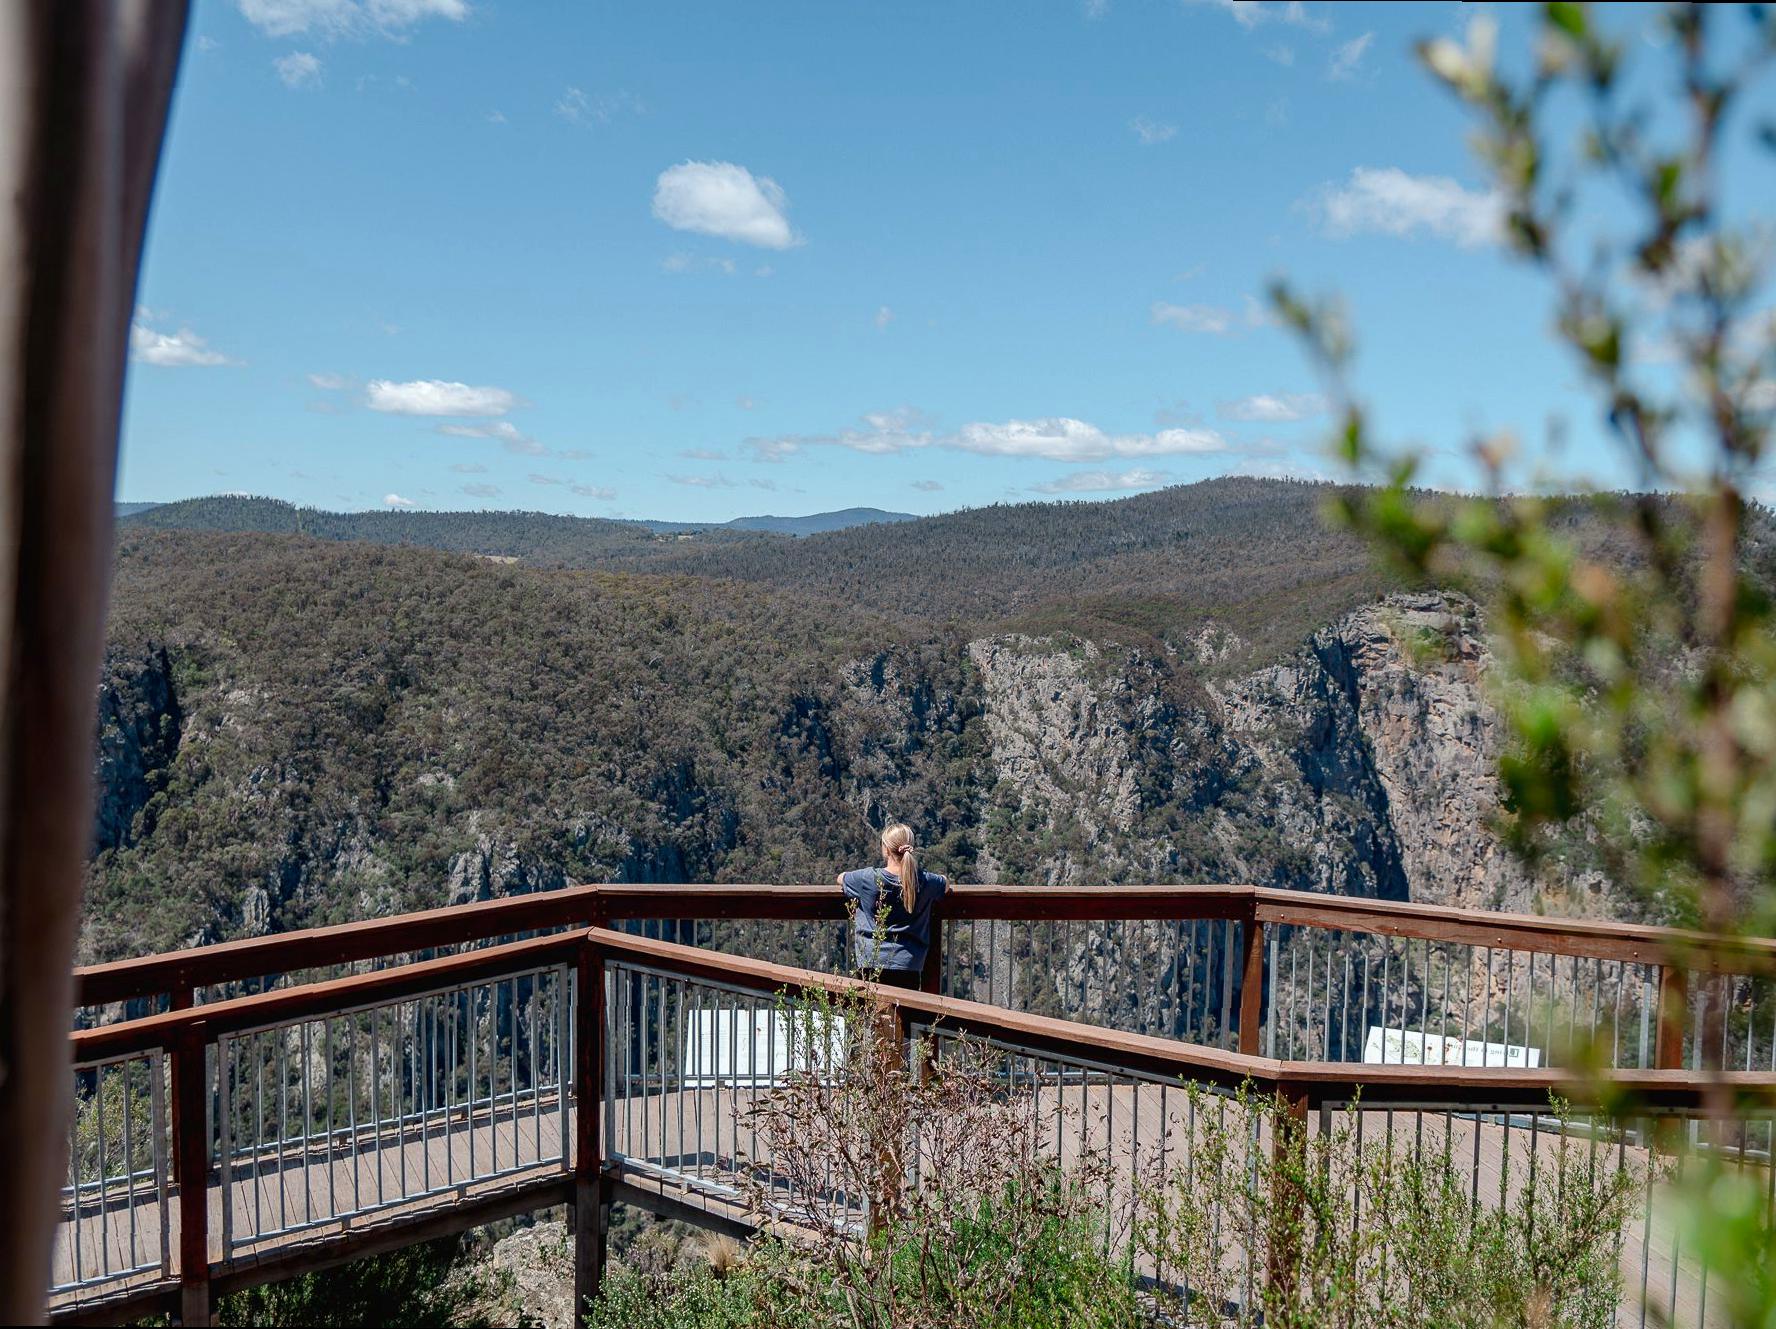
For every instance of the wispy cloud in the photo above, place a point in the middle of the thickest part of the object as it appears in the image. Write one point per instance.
(702, 481)
(330, 382)
(347, 18)
(1150, 131)
(434, 396)
(927, 486)
(1251, 14)
(1103, 482)
(726, 200)
(469, 468)
(503, 432)
(1273, 407)
(298, 69)
(480, 490)
(704, 454)
(1213, 320)
(884, 316)
(1348, 56)
(592, 491)
(578, 108)
(396, 501)
(172, 349)
(682, 262)
(1054, 438)
(1388, 201)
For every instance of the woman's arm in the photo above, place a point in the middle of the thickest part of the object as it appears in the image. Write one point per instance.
(839, 881)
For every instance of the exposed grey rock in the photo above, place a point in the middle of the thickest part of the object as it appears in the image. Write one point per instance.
(139, 731)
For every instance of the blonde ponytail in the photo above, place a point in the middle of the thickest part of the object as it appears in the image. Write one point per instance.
(898, 841)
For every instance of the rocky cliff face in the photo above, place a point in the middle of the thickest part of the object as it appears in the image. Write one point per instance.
(1362, 763)
(139, 725)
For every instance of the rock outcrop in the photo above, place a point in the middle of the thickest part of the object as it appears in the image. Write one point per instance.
(1362, 763)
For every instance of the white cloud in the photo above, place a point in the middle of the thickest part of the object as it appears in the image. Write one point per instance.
(927, 486)
(503, 432)
(1064, 439)
(481, 490)
(745, 402)
(396, 501)
(298, 69)
(1211, 319)
(1057, 438)
(1250, 14)
(341, 18)
(702, 481)
(1096, 9)
(330, 382)
(884, 316)
(1281, 470)
(593, 491)
(1282, 53)
(1348, 56)
(722, 199)
(1152, 131)
(172, 349)
(208, 44)
(432, 396)
(1100, 482)
(1390, 201)
(1274, 408)
(575, 107)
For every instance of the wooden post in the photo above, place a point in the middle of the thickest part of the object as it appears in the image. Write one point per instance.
(590, 1210)
(1251, 984)
(191, 1171)
(930, 980)
(888, 1030)
(931, 973)
(1668, 1052)
(1674, 1012)
(1288, 1170)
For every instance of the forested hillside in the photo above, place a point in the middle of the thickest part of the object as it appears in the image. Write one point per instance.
(396, 710)
(1255, 555)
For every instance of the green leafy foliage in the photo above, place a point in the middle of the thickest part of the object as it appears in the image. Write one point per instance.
(1640, 691)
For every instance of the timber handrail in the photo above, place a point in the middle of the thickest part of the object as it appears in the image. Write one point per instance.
(179, 973)
(593, 953)
(1446, 1085)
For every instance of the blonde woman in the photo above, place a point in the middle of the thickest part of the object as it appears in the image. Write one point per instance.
(892, 928)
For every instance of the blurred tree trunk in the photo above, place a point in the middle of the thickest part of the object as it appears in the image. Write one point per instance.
(84, 89)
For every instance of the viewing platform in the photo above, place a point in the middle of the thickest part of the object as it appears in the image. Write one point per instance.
(262, 1108)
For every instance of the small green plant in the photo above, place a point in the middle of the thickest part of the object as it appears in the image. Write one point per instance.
(1263, 1221)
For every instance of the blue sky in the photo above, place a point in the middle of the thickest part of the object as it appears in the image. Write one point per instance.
(698, 261)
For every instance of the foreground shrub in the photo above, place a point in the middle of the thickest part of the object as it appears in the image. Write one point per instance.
(925, 1190)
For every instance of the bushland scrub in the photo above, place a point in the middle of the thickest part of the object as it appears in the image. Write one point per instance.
(925, 1189)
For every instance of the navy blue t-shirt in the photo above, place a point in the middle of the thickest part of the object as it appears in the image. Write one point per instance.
(905, 937)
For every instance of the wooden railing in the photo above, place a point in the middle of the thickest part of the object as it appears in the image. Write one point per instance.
(207, 1039)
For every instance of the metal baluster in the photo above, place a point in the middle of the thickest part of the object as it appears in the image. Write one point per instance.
(101, 1174)
(157, 1108)
(493, 1166)
(307, 1123)
(1227, 954)
(470, 1038)
(1270, 1040)
(129, 1158)
(259, 1130)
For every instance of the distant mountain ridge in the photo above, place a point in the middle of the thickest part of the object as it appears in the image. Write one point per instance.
(815, 523)
(235, 512)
